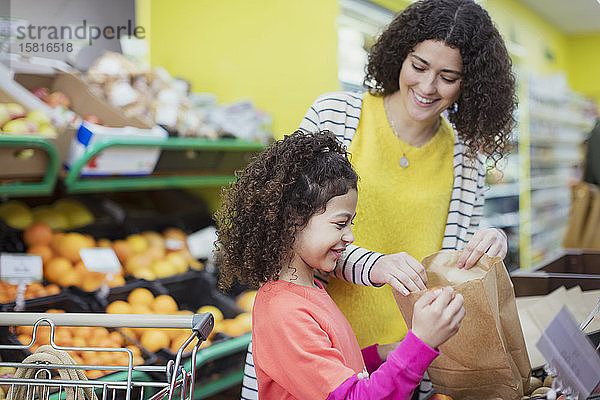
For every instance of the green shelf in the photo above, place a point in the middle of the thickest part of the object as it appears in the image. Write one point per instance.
(16, 186)
(210, 177)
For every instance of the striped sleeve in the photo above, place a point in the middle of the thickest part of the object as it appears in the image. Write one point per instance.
(355, 265)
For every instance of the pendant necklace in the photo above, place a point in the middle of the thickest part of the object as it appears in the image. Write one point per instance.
(403, 162)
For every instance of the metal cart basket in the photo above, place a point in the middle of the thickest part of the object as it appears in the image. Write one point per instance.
(39, 382)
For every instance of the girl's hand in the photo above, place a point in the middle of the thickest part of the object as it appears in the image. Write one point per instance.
(437, 316)
(401, 271)
(490, 241)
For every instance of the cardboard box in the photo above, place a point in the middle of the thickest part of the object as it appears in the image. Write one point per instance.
(112, 161)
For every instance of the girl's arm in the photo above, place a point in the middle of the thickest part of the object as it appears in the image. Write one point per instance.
(396, 378)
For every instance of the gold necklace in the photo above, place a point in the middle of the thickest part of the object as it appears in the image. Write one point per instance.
(403, 162)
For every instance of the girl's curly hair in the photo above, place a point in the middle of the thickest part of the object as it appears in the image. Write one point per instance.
(273, 198)
(483, 114)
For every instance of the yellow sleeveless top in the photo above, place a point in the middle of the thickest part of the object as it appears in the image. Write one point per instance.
(399, 209)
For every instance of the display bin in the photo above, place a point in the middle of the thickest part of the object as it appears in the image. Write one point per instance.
(576, 261)
(220, 365)
(65, 300)
(542, 283)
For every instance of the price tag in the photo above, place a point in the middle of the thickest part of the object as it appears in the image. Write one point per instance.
(20, 268)
(201, 243)
(571, 355)
(100, 259)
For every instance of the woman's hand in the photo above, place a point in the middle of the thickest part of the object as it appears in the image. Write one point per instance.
(490, 241)
(437, 316)
(401, 271)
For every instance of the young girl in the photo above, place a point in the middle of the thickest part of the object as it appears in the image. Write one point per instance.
(288, 216)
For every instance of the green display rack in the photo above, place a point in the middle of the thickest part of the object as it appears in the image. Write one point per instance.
(221, 350)
(75, 183)
(17, 187)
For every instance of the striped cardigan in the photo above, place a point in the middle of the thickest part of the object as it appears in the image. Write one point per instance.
(339, 112)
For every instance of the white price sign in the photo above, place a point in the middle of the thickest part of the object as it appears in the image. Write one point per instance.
(20, 268)
(101, 259)
(201, 243)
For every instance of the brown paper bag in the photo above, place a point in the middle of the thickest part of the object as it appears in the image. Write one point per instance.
(487, 358)
(580, 203)
(591, 233)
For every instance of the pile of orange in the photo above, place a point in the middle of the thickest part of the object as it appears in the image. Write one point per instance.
(8, 292)
(149, 255)
(60, 257)
(84, 336)
(143, 301)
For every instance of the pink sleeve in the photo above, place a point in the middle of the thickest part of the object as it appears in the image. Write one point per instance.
(396, 378)
(371, 357)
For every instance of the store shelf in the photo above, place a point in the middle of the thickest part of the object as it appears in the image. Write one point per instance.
(11, 187)
(502, 190)
(75, 183)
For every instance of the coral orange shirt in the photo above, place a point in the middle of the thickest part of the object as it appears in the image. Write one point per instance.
(302, 345)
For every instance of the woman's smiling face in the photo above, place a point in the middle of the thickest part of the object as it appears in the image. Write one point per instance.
(430, 79)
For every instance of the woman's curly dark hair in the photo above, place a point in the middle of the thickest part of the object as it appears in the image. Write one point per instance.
(483, 116)
(273, 198)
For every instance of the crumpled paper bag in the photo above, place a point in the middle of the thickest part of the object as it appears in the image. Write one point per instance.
(487, 358)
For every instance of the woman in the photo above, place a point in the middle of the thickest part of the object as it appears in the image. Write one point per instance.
(422, 175)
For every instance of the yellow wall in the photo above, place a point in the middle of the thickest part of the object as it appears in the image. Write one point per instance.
(584, 64)
(280, 54)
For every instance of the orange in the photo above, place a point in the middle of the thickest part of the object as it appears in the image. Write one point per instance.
(103, 243)
(117, 280)
(52, 289)
(140, 296)
(38, 233)
(145, 273)
(154, 239)
(155, 253)
(42, 250)
(57, 267)
(246, 300)
(123, 250)
(137, 262)
(164, 304)
(154, 340)
(138, 243)
(56, 239)
(217, 314)
(175, 234)
(178, 261)
(163, 269)
(70, 245)
(71, 278)
(140, 309)
(118, 307)
(179, 340)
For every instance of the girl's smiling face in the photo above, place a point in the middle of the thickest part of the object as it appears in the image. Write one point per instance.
(321, 242)
(430, 80)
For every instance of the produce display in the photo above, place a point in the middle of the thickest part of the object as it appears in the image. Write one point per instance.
(16, 120)
(63, 214)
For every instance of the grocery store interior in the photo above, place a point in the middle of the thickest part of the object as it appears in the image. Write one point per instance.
(122, 121)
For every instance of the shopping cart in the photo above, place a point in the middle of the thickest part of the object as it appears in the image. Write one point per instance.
(46, 380)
